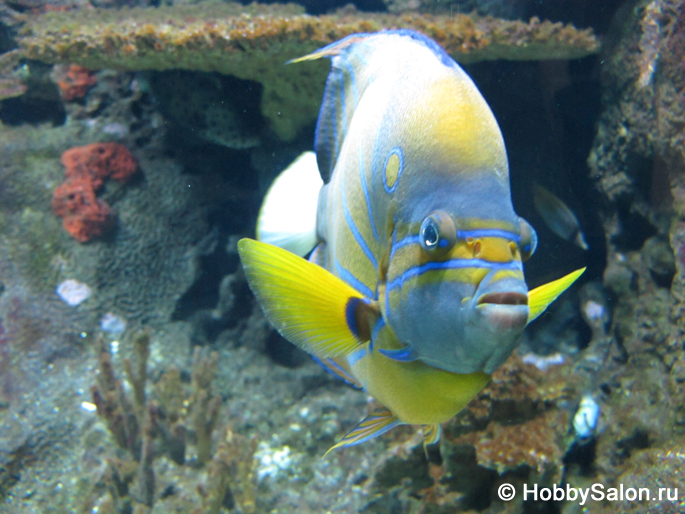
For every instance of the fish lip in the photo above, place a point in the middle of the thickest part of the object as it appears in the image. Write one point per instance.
(504, 317)
(507, 298)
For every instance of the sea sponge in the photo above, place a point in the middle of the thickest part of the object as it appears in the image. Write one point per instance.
(73, 81)
(86, 168)
(84, 215)
(99, 161)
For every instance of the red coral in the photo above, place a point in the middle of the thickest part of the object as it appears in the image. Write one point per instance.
(87, 167)
(74, 81)
(85, 216)
(100, 161)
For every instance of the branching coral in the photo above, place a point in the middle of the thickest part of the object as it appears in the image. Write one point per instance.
(152, 424)
(254, 42)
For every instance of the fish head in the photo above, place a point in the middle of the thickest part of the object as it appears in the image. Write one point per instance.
(456, 292)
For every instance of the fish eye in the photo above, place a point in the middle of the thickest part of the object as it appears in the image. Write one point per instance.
(529, 240)
(437, 232)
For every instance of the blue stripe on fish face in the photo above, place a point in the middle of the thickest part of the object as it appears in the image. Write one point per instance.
(489, 232)
(352, 280)
(414, 239)
(365, 190)
(380, 323)
(452, 264)
(353, 228)
(407, 241)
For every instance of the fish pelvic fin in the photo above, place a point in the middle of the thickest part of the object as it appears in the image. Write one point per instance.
(431, 435)
(541, 297)
(339, 369)
(378, 423)
(308, 305)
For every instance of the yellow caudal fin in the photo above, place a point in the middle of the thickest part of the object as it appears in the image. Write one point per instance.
(541, 297)
(309, 306)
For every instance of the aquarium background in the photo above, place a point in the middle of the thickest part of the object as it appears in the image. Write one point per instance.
(137, 372)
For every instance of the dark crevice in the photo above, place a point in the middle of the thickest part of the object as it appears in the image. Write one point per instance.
(635, 229)
(284, 353)
(24, 109)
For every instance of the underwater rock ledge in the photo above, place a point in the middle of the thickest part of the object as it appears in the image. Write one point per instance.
(254, 42)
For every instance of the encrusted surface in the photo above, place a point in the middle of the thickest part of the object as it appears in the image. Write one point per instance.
(254, 42)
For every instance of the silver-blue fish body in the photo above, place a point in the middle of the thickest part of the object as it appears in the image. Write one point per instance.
(416, 210)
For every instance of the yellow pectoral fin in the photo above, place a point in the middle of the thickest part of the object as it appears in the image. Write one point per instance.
(541, 297)
(309, 306)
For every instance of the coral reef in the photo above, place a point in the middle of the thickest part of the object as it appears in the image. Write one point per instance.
(254, 42)
(637, 164)
(84, 215)
(514, 9)
(12, 79)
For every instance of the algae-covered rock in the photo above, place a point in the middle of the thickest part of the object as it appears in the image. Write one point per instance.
(255, 42)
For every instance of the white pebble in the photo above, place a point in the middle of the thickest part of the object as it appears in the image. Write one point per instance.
(73, 292)
(543, 362)
(88, 407)
(594, 310)
(112, 324)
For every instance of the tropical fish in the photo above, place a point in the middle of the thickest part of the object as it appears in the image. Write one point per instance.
(557, 216)
(414, 290)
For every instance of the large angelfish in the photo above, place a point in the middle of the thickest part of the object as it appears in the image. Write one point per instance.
(414, 290)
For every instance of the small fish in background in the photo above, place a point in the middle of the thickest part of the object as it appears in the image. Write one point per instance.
(557, 216)
(414, 288)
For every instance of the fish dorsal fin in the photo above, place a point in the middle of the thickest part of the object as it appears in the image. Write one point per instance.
(353, 68)
(541, 297)
(345, 84)
(308, 305)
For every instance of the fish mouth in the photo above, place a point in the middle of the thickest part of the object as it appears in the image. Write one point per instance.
(504, 312)
(503, 299)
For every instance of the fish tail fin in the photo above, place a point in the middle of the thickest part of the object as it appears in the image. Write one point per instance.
(287, 217)
(308, 305)
(378, 423)
(541, 297)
